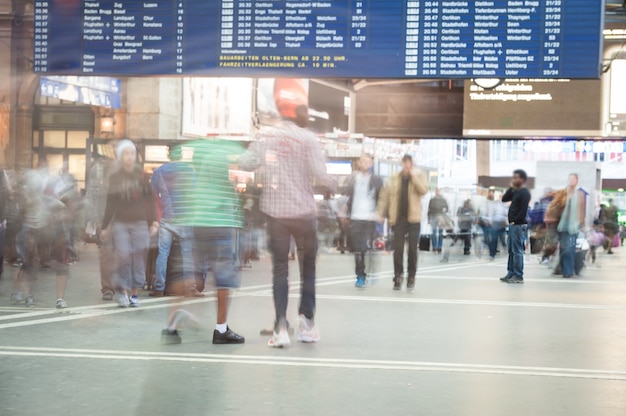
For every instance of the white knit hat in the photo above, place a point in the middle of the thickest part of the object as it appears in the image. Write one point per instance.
(123, 145)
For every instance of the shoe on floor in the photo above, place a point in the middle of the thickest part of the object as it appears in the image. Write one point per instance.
(170, 337)
(516, 280)
(61, 304)
(280, 339)
(195, 293)
(506, 278)
(360, 282)
(307, 332)
(228, 337)
(397, 283)
(134, 301)
(17, 298)
(122, 301)
(410, 283)
(156, 294)
(30, 301)
(107, 296)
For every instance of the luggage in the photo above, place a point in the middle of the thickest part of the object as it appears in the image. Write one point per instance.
(579, 261)
(424, 243)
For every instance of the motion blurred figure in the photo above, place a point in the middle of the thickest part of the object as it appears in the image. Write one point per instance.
(437, 210)
(571, 223)
(166, 183)
(292, 158)
(212, 207)
(131, 215)
(401, 202)
(608, 217)
(519, 197)
(363, 192)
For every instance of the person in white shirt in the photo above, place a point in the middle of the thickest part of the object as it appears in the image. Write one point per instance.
(363, 191)
(496, 219)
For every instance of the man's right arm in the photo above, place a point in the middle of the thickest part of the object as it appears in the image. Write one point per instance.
(317, 164)
(508, 195)
(251, 159)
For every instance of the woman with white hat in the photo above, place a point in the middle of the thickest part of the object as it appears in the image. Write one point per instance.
(130, 216)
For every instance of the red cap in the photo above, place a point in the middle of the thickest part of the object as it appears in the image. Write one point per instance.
(289, 94)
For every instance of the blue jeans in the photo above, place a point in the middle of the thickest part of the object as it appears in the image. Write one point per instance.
(495, 235)
(516, 250)
(130, 242)
(280, 231)
(437, 236)
(567, 256)
(167, 233)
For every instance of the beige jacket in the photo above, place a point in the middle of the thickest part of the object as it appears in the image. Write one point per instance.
(390, 197)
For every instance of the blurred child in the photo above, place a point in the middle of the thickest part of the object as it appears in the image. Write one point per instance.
(596, 238)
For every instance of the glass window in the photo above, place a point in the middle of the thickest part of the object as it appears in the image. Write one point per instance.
(76, 165)
(77, 139)
(55, 162)
(54, 138)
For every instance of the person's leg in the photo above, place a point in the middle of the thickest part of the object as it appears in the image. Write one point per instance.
(165, 239)
(359, 246)
(467, 240)
(434, 237)
(517, 241)
(610, 235)
(414, 235)
(568, 253)
(279, 244)
(28, 272)
(140, 242)
(399, 241)
(509, 268)
(107, 267)
(494, 236)
(304, 232)
(123, 256)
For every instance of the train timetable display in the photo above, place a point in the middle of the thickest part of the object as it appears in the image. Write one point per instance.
(333, 38)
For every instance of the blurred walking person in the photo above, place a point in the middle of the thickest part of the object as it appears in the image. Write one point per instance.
(401, 202)
(466, 219)
(96, 199)
(519, 197)
(212, 208)
(572, 221)
(363, 193)
(292, 159)
(437, 211)
(495, 222)
(130, 218)
(167, 185)
(608, 217)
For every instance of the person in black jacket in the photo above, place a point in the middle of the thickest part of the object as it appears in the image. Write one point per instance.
(131, 214)
(519, 197)
(363, 191)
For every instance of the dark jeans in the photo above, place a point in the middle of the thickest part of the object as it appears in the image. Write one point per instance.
(280, 231)
(401, 231)
(495, 235)
(567, 244)
(516, 250)
(465, 235)
(362, 235)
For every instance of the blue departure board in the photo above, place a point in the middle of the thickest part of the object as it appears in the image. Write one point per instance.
(322, 39)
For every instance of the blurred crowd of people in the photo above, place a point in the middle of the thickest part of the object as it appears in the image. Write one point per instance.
(190, 215)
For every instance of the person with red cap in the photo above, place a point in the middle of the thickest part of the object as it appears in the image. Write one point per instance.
(291, 158)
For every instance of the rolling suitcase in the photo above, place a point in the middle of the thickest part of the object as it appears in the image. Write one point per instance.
(424, 243)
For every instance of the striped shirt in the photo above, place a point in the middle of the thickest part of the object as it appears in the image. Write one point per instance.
(290, 159)
(210, 198)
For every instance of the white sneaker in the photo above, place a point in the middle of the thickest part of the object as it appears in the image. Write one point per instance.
(307, 332)
(122, 300)
(61, 304)
(280, 340)
(134, 301)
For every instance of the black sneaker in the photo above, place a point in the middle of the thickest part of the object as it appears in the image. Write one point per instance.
(170, 337)
(228, 337)
(506, 278)
(410, 283)
(397, 283)
(516, 280)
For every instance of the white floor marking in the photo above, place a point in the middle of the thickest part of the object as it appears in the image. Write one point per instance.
(416, 366)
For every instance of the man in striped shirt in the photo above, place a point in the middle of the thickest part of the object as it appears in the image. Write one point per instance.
(291, 159)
